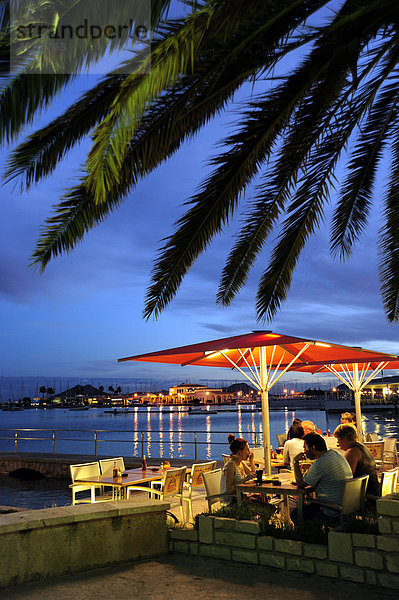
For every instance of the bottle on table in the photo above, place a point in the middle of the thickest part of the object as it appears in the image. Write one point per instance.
(144, 463)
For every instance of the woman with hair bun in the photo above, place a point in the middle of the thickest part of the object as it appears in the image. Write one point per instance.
(236, 470)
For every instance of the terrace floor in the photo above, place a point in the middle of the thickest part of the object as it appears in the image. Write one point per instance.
(177, 577)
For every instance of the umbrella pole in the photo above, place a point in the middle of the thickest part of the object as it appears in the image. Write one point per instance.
(265, 409)
(358, 416)
(358, 410)
(266, 430)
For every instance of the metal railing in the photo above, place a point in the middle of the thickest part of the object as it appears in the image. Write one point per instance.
(97, 437)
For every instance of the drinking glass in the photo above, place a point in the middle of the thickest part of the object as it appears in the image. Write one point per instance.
(259, 473)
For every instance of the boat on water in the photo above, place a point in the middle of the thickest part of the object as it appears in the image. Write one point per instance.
(116, 411)
(201, 411)
(8, 407)
(79, 408)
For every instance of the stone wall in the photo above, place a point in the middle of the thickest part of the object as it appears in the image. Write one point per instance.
(43, 543)
(50, 465)
(358, 557)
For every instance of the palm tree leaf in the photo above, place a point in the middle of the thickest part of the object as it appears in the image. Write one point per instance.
(172, 59)
(354, 204)
(41, 152)
(168, 122)
(388, 247)
(309, 125)
(306, 211)
(30, 88)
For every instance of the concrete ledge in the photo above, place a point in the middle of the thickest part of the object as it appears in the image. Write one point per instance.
(43, 543)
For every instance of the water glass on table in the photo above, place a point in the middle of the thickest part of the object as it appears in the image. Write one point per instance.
(259, 473)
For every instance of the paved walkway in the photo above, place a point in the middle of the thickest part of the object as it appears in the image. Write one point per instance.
(180, 577)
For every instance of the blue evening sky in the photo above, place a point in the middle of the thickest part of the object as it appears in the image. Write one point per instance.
(85, 311)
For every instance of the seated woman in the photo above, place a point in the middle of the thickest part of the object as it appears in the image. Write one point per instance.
(236, 470)
(293, 446)
(295, 423)
(358, 456)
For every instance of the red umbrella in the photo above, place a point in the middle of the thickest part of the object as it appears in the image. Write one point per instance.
(264, 356)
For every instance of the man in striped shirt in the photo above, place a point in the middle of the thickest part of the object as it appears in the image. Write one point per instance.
(327, 474)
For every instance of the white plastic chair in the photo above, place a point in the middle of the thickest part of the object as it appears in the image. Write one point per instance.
(372, 437)
(195, 482)
(213, 482)
(259, 454)
(331, 442)
(107, 465)
(390, 452)
(81, 472)
(377, 451)
(171, 486)
(281, 439)
(388, 482)
(226, 458)
(353, 497)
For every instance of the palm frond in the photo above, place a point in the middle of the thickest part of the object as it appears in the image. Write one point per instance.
(388, 247)
(33, 83)
(40, 153)
(351, 213)
(172, 59)
(312, 118)
(173, 118)
(306, 211)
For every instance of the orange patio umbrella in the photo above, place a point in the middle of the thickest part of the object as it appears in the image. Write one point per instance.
(263, 357)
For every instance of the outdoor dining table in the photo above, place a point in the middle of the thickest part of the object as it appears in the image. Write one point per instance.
(133, 476)
(286, 489)
(276, 463)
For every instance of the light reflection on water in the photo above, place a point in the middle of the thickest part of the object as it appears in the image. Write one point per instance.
(167, 433)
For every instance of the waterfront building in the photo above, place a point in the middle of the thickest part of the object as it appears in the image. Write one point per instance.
(201, 394)
(385, 389)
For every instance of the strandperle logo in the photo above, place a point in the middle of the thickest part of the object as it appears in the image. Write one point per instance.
(78, 36)
(83, 31)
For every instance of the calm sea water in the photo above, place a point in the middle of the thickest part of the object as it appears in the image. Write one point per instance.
(166, 434)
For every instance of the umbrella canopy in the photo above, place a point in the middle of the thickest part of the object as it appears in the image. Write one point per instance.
(264, 356)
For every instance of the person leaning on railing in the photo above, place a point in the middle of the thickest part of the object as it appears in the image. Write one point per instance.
(358, 456)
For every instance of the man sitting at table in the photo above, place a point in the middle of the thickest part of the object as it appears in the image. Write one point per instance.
(327, 474)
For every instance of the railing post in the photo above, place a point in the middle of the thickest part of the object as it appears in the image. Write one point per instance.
(256, 441)
(195, 445)
(95, 443)
(142, 443)
(53, 441)
(16, 440)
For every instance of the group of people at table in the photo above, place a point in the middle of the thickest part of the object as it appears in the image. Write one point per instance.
(328, 470)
